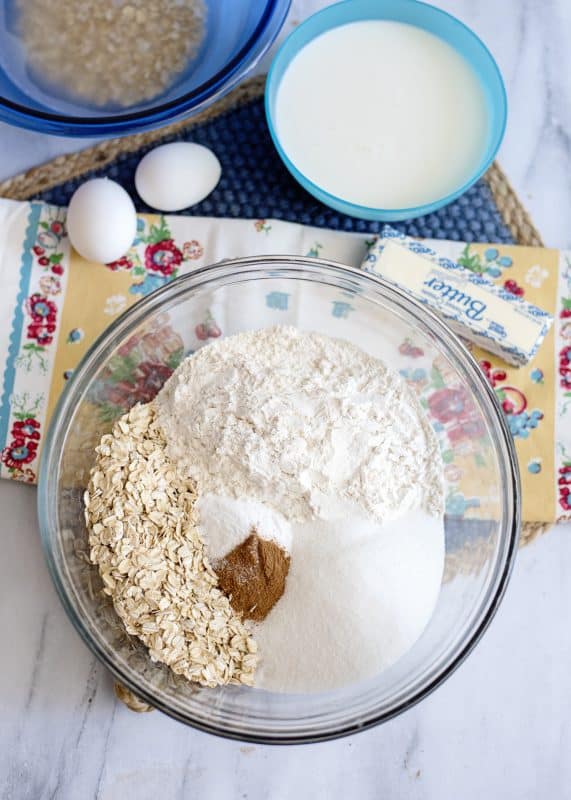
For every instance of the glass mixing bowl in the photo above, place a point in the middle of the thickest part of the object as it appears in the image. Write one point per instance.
(131, 361)
(237, 34)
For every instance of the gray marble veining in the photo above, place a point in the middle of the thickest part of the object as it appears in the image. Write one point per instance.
(498, 728)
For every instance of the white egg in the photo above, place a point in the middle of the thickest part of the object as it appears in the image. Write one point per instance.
(177, 175)
(101, 220)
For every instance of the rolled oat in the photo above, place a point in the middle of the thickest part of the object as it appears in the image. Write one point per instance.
(143, 538)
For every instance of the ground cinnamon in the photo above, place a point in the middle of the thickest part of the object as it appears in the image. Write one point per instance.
(253, 575)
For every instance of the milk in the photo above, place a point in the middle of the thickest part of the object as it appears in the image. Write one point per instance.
(382, 114)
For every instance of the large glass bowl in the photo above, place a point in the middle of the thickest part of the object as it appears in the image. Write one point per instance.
(237, 34)
(482, 483)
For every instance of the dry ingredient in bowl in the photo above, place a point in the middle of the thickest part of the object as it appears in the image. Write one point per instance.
(143, 537)
(110, 52)
(278, 508)
(225, 522)
(298, 421)
(358, 595)
(316, 431)
(253, 575)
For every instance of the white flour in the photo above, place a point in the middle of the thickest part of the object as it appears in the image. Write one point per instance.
(280, 423)
(295, 419)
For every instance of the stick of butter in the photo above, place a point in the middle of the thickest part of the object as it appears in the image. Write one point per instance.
(473, 306)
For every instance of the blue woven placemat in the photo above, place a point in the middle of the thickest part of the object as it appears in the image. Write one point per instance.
(255, 184)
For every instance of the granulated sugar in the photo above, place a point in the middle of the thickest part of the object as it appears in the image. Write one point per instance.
(225, 523)
(358, 595)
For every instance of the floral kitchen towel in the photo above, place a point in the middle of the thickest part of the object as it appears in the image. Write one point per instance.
(534, 397)
(54, 304)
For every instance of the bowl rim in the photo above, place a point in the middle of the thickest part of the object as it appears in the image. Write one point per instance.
(287, 265)
(373, 212)
(223, 81)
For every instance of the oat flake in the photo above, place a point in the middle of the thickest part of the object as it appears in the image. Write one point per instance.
(143, 538)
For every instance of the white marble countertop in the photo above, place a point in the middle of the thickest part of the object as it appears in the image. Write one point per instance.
(498, 728)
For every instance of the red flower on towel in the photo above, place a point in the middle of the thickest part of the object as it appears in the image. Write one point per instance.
(149, 378)
(448, 404)
(192, 250)
(26, 429)
(42, 335)
(565, 367)
(18, 453)
(565, 487)
(120, 263)
(163, 257)
(513, 288)
(494, 376)
(41, 309)
(25, 475)
(43, 313)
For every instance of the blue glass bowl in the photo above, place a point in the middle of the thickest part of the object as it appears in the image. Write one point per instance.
(238, 33)
(421, 15)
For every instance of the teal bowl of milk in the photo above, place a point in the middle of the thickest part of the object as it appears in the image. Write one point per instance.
(385, 109)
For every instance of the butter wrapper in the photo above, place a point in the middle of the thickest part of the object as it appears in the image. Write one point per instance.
(474, 307)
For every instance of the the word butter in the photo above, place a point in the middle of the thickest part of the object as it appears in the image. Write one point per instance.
(474, 308)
